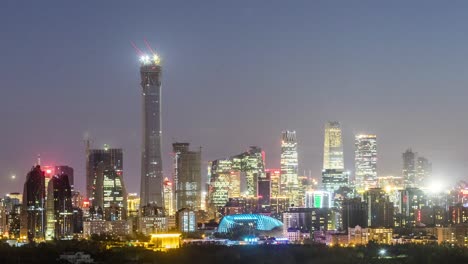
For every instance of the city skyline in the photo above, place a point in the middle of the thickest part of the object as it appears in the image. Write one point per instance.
(90, 97)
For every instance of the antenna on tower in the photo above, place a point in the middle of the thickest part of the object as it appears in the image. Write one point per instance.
(38, 162)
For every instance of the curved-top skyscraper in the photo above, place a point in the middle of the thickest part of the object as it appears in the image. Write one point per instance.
(151, 189)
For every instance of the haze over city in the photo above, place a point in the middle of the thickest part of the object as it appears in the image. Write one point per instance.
(235, 75)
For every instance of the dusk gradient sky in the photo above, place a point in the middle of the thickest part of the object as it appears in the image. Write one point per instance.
(235, 73)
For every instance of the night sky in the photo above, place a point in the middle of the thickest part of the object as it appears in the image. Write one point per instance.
(235, 74)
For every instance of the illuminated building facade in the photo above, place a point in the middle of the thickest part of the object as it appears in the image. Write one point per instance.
(59, 208)
(226, 176)
(255, 221)
(365, 161)
(133, 204)
(274, 175)
(109, 193)
(33, 218)
(308, 219)
(186, 220)
(289, 168)
(151, 188)
(318, 199)
(333, 147)
(98, 160)
(220, 183)
(168, 197)
(187, 176)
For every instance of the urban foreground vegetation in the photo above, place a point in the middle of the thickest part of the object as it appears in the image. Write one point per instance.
(284, 254)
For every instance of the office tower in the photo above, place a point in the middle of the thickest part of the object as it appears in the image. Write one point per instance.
(59, 208)
(151, 188)
(289, 167)
(33, 220)
(133, 204)
(264, 192)
(411, 201)
(274, 175)
(354, 213)
(168, 193)
(110, 194)
(318, 199)
(423, 171)
(9, 214)
(409, 168)
(226, 176)
(379, 208)
(308, 220)
(365, 161)
(186, 220)
(67, 170)
(333, 147)
(220, 184)
(105, 159)
(186, 176)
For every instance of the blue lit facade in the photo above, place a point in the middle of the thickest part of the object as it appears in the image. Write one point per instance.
(261, 222)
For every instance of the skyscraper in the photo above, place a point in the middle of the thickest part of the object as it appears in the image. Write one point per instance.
(274, 175)
(227, 175)
(98, 160)
(333, 147)
(333, 174)
(187, 176)
(59, 208)
(168, 197)
(409, 168)
(289, 167)
(151, 188)
(365, 161)
(33, 217)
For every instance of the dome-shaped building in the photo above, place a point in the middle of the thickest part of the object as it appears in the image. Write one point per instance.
(257, 221)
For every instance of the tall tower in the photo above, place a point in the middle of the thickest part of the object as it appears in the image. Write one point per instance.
(333, 147)
(333, 174)
(289, 168)
(186, 176)
(151, 188)
(409, 167)
(365, 161)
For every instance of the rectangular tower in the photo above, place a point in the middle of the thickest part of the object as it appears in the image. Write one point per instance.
(151, 188)
(365, 161)
(333, 174)
(289, 167)
(187, 176)
(97, 161)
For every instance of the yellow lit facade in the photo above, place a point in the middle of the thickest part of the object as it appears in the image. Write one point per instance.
(165, 241)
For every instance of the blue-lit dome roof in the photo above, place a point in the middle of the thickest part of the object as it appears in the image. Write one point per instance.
(262, 222)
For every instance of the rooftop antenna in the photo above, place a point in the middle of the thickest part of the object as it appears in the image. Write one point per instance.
(38, 162)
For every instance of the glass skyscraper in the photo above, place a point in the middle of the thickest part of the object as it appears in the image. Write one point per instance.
(186, 176)
(333, 174)
(289, 168)
(365, 161)
(151, 188)
(333, 147)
